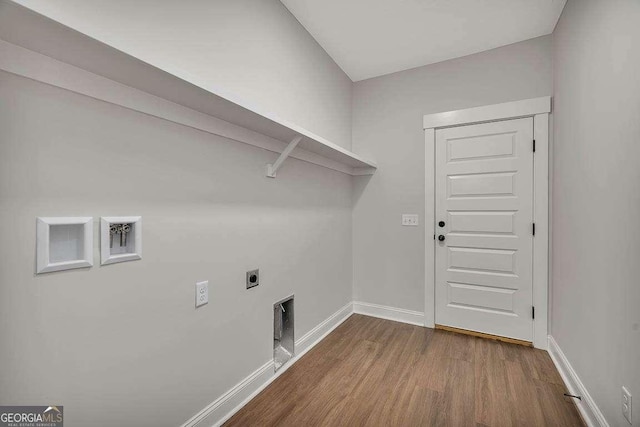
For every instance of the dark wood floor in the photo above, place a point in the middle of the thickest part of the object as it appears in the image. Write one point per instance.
(374, 372)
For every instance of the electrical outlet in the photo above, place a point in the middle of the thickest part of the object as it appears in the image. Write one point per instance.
(410, 220)
(202, 293)
(253, 278)
(626, 404)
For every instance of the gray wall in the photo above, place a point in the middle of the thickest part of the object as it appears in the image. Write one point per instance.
(389, 263)
(596, 202)
(123, 344)
(254, 50)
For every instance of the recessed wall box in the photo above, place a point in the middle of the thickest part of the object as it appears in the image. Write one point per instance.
(63, 243)
(120, 239)
(283, 332)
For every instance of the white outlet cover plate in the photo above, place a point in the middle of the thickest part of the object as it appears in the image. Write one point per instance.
(410, 220)
(202, 293)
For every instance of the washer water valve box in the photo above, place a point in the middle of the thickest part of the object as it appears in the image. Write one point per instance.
(120, 239)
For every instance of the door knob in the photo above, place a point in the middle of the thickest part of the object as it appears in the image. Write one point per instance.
(441, 237)
(441, 223)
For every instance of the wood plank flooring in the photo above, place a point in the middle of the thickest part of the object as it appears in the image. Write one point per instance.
(374, 372)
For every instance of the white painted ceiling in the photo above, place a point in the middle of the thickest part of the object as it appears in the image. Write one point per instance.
(369, 38)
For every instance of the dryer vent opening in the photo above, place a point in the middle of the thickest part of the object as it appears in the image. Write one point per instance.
(283, 338)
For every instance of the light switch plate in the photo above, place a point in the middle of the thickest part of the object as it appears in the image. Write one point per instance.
(410, 220)
(202, 293)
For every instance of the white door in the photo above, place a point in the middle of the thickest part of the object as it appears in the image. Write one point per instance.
(484, 236)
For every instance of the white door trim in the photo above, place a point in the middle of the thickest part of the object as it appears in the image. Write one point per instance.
(488, 113)
(539, 109)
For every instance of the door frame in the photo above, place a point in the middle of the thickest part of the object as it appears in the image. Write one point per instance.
(539, 109)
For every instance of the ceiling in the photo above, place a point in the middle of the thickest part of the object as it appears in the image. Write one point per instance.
(370, 38)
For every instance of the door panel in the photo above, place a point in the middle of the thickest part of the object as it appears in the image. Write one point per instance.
(484, 194)
(481, 147)
(482, 260)
(481, 297)
(481, 184)
(470, 222)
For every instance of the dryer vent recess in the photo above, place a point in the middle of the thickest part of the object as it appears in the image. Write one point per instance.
(283, 332)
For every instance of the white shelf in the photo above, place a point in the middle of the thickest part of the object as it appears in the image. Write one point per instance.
(42, 49)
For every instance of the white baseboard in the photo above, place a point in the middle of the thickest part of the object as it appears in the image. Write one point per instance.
(587, 407)
(224, 407)
(314, 336)
(389, 313)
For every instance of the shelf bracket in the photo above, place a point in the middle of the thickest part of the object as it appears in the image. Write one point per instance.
(273, 168)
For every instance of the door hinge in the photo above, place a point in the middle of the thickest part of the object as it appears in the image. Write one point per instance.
(533, 312)
(534, 228)
(534, 145)
(434, 237)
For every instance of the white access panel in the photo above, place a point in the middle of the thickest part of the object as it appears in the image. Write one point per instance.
(484, 197)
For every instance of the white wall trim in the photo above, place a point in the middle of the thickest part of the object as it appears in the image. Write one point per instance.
(429, 228)
(224, 407)
(541, 214)
(244, 391)
(589, 411)
(539, 109)
(35, 66)
(317, 334)
(488, 113)
(390, 313)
